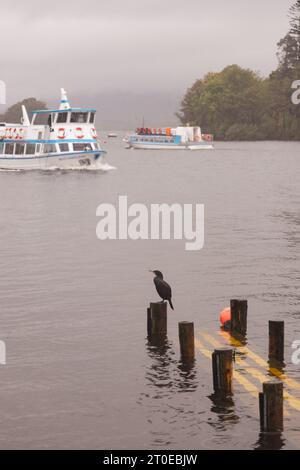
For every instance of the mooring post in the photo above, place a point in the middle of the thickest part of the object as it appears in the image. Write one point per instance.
(186, 340)
(222, 370)
(271, 406)
(239, 309)
(276, 340)
(149, 322)
(157, 319)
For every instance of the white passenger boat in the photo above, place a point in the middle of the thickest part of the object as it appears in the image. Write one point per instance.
(52, 138)
(179, 138)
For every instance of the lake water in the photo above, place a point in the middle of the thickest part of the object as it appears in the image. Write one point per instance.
(80, 372)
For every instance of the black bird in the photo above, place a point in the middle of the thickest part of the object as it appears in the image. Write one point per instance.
(162, 287)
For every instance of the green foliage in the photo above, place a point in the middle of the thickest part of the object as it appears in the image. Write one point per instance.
(225, 103)
(14, 113)
(237, 104)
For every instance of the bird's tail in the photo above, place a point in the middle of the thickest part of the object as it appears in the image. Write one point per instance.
(171, 305)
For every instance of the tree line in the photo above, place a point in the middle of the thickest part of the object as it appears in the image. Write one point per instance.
(14, 113)
(238, 104)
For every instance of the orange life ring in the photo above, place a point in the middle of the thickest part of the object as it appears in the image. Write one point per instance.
(79, 133)
(61, 133)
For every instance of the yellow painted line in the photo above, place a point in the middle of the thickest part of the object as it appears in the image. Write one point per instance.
(252, 389)
(260, 361)
(293, 402)
(290, 399)
(238, 377)
(201, 348)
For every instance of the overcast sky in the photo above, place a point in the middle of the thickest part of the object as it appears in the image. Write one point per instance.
(96, 46)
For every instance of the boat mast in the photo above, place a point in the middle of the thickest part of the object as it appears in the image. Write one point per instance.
(25, 118)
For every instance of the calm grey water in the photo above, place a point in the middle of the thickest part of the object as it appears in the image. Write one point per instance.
(80, 372)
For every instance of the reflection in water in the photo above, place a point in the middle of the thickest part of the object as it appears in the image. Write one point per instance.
(269, 441)
(165, 370)
(224, 408)
(276, 368)
(161, 354)
(160, 381)
(187, 376)
(236, 341)
(165, 379)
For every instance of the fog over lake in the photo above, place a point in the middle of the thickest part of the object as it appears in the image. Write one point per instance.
(114, 48)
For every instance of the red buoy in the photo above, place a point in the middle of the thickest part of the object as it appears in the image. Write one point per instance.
(225, 316)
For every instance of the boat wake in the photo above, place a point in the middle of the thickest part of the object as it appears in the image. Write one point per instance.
(10, 170)
(102, 167)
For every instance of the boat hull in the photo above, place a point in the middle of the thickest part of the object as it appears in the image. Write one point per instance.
(157, 146)
(75, 160)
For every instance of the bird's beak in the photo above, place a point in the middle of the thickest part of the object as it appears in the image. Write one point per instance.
(150, 271)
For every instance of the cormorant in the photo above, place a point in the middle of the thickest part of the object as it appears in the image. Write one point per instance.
(162, 287)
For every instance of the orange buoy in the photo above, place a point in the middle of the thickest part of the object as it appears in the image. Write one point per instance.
(225, 316)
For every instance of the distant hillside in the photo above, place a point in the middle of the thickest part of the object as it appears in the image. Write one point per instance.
(123, 111)
(126, 111)
(13, 113)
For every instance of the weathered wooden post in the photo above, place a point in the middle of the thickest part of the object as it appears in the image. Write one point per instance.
(149, 322)
(239, 309)
(186, 340)
(276, 341)
(222, 370)
(271, 406)
(157, 319)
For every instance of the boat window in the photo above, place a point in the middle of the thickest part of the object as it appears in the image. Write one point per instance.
(19, 150)
(64, 147)
(9, 149)
(49, 148)
(82, 146)
(41, 119)
(30, 149)
(92, 118)
(96, 146)
(62, 117)
(79, 117)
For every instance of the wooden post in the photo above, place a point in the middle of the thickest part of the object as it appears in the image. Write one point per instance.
(271, 406)
(158, 318)
(276, 340)
(239, 309)
(186, 340)
(149, 322)
(222, 370)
